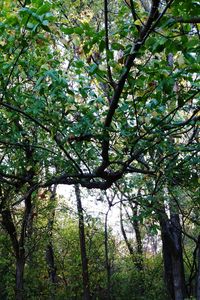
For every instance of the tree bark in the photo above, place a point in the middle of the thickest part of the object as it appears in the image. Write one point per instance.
(19, 240)
(49, 248)
(18, 244)
(198, 272)
(173, 256)
(51, 263)
(168, 270)
(128, 244)
(85, 274)
(26, 231)
(177, 259)
(9, 226)
(136, 227)
(107, 256)
(19, 277)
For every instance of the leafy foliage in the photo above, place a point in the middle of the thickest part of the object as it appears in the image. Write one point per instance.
(102, 95)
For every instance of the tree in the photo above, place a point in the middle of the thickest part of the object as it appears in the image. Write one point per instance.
(85, 274)
(65, 90)
(12, 193)
(94, 93)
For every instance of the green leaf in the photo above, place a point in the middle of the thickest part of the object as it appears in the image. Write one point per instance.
(45, 8)
(102, 46)
(117, 46)
(78, 30)
(67, 30)
(92, 69)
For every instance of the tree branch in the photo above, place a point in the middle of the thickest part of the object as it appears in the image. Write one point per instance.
(107, 41)
(194, 20)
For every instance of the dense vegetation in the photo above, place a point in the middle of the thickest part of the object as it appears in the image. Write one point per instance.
(102, 96)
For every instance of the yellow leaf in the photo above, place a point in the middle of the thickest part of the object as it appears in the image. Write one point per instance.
(181, 61)
(141, 21)
(137, 22)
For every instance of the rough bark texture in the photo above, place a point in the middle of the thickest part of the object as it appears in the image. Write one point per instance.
(19, 286)
(173, 256)
(85, 274)
(177, 259)
(167, 259)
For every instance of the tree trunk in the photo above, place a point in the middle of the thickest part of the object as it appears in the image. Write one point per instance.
(49, 248)
(85, 274)
(50, 263)
(128, 244)
(173, 256)
(18, 249)
(178, 281)
(19, 279)
(168, 271)
(198, 272)
(136, 227)
(51, 269)
(177, 259)
(107, 256)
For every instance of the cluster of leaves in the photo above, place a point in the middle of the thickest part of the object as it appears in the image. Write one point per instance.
(88, 101)
(91, 93)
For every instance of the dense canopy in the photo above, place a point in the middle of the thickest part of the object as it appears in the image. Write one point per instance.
(95, 91)
(103, 95)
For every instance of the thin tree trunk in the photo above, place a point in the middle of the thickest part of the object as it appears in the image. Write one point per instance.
(85, 274)
(198, 272)
(107, 256)
(138, 236)
(9, 226)
(26, 231)
(49, 249)
(51, 269)
(18, 249)
(136, 227)
(128, 244)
